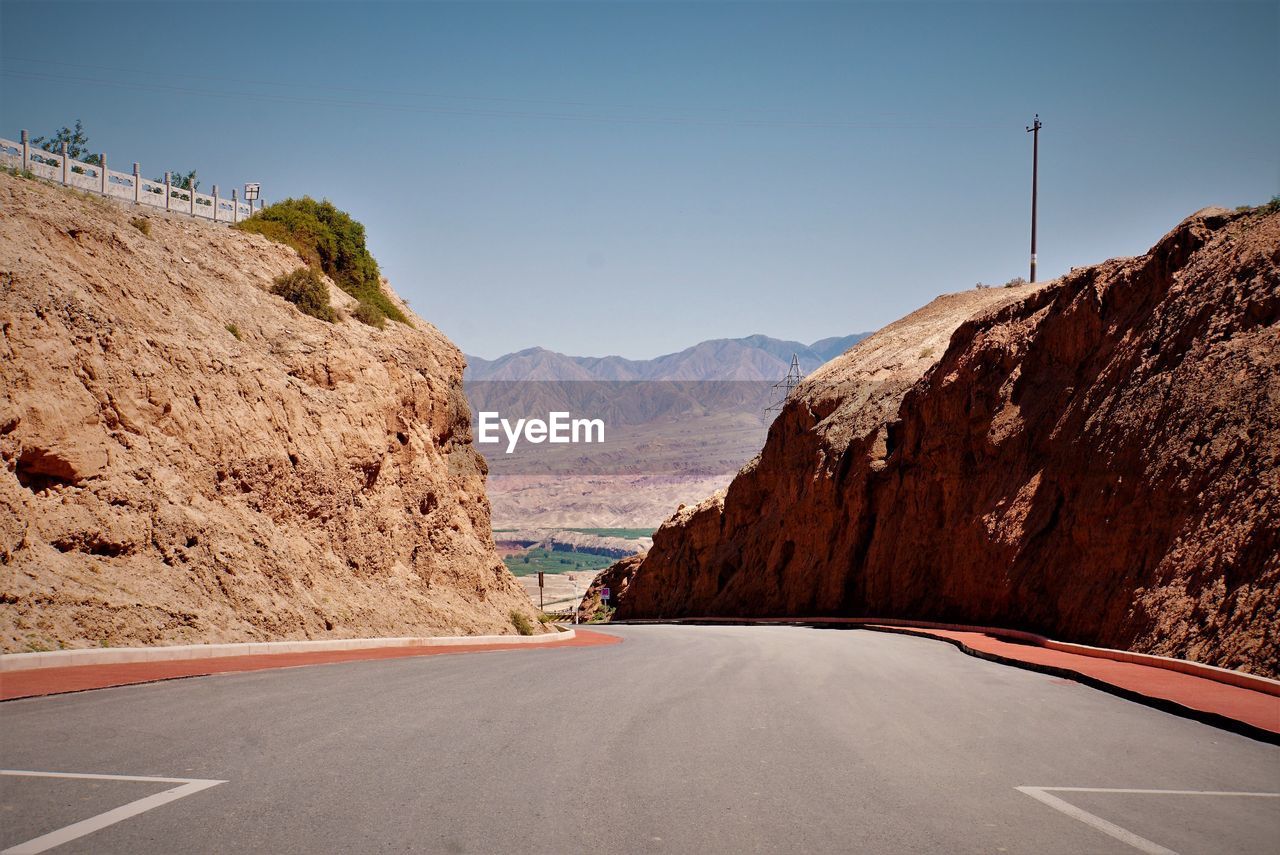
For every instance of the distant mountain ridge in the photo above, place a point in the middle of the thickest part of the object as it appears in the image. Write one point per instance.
(679, 426)
(755, 357)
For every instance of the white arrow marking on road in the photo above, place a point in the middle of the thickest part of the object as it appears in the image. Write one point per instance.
(88, 826)
(1138, 842)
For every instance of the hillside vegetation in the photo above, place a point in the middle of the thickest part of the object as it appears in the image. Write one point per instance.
(539, 560)
(331, 241)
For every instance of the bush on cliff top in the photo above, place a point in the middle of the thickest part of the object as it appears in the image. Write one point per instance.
(328, 240)
(1266, 208)
(306, 290)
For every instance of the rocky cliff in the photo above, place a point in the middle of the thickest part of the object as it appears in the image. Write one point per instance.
(188, 458)
(1094, 460)
(617, 578)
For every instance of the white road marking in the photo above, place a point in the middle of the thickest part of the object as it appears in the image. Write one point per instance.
(1138, 842)
(88, 826)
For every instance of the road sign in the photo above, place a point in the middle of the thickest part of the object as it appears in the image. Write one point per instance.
(604, 593)
(542, 582)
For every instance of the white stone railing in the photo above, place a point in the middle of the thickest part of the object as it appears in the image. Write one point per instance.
(129, 187)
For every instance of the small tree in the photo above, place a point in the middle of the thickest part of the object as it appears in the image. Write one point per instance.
(182, 181)
(77, 144)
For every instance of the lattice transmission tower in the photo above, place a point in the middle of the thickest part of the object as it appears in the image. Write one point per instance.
(783, 388)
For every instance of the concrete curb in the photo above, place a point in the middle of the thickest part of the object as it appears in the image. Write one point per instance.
(117, 655)
(1238, 679)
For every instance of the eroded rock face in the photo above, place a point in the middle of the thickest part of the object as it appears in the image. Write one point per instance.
(1094, 460)
(617, 578)
(167, 482)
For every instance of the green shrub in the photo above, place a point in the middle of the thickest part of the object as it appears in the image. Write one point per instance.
(142, 224)
(329, 240)
(1266, 208)
(235, 331)
(182, 180)
(522, 623)
(604, 614)
(306, 290)
(368, 313)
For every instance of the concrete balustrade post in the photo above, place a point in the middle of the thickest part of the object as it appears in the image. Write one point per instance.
(215, 203)
(235, 207)
(191, 195)
(137, 184)
(102, 171)
(26, 151)
(168, 191)
(66, 167)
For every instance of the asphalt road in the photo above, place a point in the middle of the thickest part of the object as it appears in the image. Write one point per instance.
(681, 739)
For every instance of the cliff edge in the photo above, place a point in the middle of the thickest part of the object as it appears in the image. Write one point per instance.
(189, 458)
(1094, 459)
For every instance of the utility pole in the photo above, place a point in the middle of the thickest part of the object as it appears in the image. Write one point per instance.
(1034, 130)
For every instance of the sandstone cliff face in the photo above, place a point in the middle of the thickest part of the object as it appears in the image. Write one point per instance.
(617, 578)
(166, 482)
(1094, 460)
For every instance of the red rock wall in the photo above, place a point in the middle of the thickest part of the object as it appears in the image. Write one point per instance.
(1094, 460)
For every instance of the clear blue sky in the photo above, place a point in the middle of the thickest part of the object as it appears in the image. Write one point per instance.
(633, 178)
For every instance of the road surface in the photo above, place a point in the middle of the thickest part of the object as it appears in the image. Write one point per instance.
(681, 739)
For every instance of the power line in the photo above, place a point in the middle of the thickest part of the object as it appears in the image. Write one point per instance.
(403, 93)
(493, 113)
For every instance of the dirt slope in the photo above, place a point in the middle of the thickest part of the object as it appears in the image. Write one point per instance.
(166, 482)
(1095, 460)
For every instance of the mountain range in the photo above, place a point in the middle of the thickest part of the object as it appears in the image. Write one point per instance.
(755, 357)
(679, 426)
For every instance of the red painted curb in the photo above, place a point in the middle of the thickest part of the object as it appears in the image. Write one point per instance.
(37, 682)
